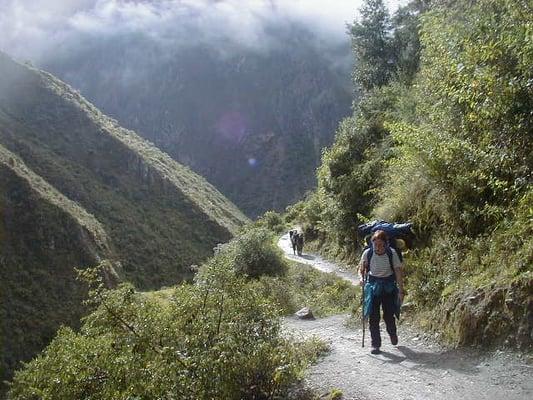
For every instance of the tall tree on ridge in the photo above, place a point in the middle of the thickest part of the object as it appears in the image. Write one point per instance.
(371, 44)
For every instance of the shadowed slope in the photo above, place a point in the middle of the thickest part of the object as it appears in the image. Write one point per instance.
(160, 216)
(43, 237)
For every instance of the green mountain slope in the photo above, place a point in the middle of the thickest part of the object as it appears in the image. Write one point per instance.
(77, 189)
(160, 217)
(443, 140)
(43, 236)
(252, 122)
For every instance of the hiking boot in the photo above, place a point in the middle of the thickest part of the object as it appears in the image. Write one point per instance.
(375, 350)
(394, 339)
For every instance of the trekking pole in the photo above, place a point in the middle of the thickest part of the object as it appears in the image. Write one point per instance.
(363, 309)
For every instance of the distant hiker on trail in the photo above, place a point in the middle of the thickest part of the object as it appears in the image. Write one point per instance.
(380, 270)
(293, 235)
(300, 243)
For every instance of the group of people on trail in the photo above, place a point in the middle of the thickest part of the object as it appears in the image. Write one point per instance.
(297, 241)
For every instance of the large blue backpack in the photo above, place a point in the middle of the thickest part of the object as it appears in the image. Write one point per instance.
(393, 230)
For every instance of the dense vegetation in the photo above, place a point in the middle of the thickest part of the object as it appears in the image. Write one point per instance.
(218, 337)
(43, 235)
(75, 188)
(441, 137)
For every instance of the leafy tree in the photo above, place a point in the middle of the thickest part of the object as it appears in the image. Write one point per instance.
(352, 169)
(471, 145)
(386, 60)
(405, 40)
(371, 44)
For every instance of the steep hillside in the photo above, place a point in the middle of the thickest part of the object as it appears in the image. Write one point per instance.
(443, 139)
(43, 237)
(252, 122)
(159, 216)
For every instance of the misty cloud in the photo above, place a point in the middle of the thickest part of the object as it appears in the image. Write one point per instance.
(33, 29)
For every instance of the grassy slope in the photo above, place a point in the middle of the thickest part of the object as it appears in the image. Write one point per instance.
(160, 217)
(43, 236)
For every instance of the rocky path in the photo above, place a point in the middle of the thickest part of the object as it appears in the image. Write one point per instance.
(418, 368)
(316, 261)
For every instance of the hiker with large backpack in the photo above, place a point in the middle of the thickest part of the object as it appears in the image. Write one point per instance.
(300, 243)
(380, 270)
(293, 235)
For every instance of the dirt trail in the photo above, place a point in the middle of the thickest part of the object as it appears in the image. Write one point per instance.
(418, 368)
(316, 261)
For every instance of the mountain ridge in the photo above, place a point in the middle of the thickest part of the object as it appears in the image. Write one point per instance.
(253, 123)
(114, 174)
(76, 191)
(44, 236)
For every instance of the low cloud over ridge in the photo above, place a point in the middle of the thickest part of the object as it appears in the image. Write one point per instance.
(32, 29)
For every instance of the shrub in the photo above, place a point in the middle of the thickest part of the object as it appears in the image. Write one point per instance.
(253, 253)
(272, 221)
(293, 212)
(335, 394)
(303, 286)
(214, 339)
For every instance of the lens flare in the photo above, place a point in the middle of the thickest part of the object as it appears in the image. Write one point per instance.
(232, 126)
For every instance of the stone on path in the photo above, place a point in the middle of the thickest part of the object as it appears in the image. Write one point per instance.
(305, 313)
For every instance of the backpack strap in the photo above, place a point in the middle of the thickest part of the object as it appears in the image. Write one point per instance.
(368, 258)
(389, 253)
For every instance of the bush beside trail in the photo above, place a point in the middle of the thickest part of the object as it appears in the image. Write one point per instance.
(216, 338)
(219, 337)
(252, 254)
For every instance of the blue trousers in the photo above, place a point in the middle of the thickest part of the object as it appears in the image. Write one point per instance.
(386, 301)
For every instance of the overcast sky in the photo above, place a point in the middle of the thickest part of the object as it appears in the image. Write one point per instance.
(31, 29)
